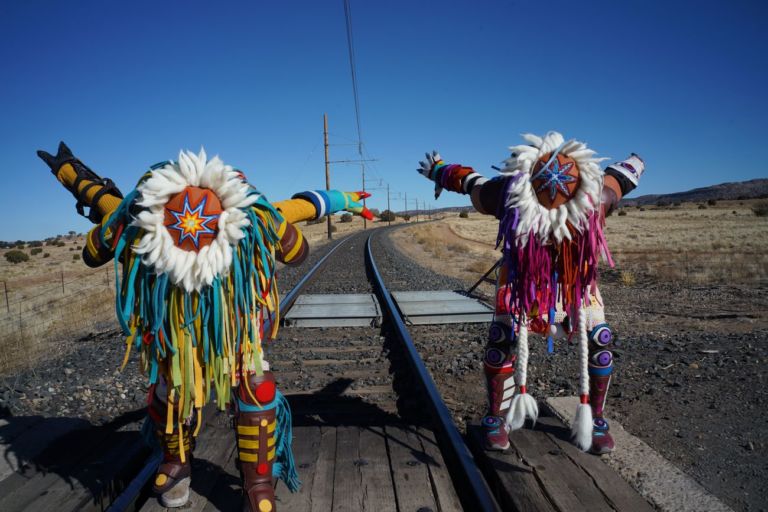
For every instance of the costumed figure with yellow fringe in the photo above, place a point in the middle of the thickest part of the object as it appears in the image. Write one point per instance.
(551, 199)
(195, 247)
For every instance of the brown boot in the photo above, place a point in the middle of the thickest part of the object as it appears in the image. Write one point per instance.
(256, 442)
(173, 476)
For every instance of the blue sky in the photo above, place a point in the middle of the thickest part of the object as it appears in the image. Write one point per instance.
(128, 84)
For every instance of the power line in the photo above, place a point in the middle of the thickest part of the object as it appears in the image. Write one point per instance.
(351, 48)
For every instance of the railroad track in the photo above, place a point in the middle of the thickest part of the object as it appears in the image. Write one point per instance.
(362, 385)
(371, 429)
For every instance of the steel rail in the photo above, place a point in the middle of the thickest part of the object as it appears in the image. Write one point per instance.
(461, 463)
(291, 296)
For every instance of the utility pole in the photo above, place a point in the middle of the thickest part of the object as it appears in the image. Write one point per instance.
(389, 218)
(327, 169)
(406, 205)
(417, 209)
(362, 168)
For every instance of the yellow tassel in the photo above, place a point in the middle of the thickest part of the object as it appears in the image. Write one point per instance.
(169, 412)
(199, 422)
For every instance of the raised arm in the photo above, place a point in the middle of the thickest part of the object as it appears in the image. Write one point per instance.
(100, 195)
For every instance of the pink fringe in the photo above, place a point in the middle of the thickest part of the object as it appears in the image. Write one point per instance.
(538, 273)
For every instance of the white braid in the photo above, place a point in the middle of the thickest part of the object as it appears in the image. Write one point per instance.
(523, 404)
(581, 429)
(522, 352)
(583, 353)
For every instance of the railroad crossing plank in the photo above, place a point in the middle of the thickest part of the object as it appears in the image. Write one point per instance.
(227, 493)
(334, 310)
(321, 493)
(375, 474)
(513, 481)
(440, 307)
(347, 491)
(441, 479)
(543, 470)
(306, 449)
(565, 484)
(413, 488)
(616, 490)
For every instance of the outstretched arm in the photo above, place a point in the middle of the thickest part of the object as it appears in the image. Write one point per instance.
(488, 195)
(620, 179)
(311, 205)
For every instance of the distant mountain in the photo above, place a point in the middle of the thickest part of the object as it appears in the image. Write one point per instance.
(751, 189)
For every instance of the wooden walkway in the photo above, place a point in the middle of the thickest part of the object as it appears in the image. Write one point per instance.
(347, 463)
(357, 458)
(67, 464)
(544, 472)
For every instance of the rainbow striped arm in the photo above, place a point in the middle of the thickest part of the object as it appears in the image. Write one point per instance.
(326, 202)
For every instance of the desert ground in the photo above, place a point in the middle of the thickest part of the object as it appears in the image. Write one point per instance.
(688, 300)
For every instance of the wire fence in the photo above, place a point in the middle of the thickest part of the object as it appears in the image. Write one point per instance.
(36, 316)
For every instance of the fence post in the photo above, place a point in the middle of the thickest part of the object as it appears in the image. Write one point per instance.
(7, 304)
(62, 282)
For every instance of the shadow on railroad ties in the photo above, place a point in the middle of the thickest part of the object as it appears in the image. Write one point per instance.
(330, 407)
(79, 452)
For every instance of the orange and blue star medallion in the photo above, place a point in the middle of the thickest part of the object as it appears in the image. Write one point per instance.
(192, 218)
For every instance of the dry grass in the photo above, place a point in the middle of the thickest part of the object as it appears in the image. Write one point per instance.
(39, 315)
(724, 243)
(627, 278)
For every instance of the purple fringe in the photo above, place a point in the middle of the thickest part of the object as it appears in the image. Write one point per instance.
(537, 272)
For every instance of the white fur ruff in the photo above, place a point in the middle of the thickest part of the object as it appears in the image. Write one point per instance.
(552, 224)
(192, 270)
(523, 406)
(581, 429)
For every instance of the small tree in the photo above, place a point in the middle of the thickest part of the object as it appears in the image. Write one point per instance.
(387, 216)
(464, 214)
(16, 256)
(36, 250)
(347, 217)
(406, 217)
(712, 202)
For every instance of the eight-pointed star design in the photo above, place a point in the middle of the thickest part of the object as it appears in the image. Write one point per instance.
(555, 177)
(191, 223)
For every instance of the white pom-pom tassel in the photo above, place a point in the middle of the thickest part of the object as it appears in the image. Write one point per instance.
(581, 429)
(523, 405)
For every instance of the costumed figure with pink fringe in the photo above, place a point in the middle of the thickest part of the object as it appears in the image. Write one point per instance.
(551, 199)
